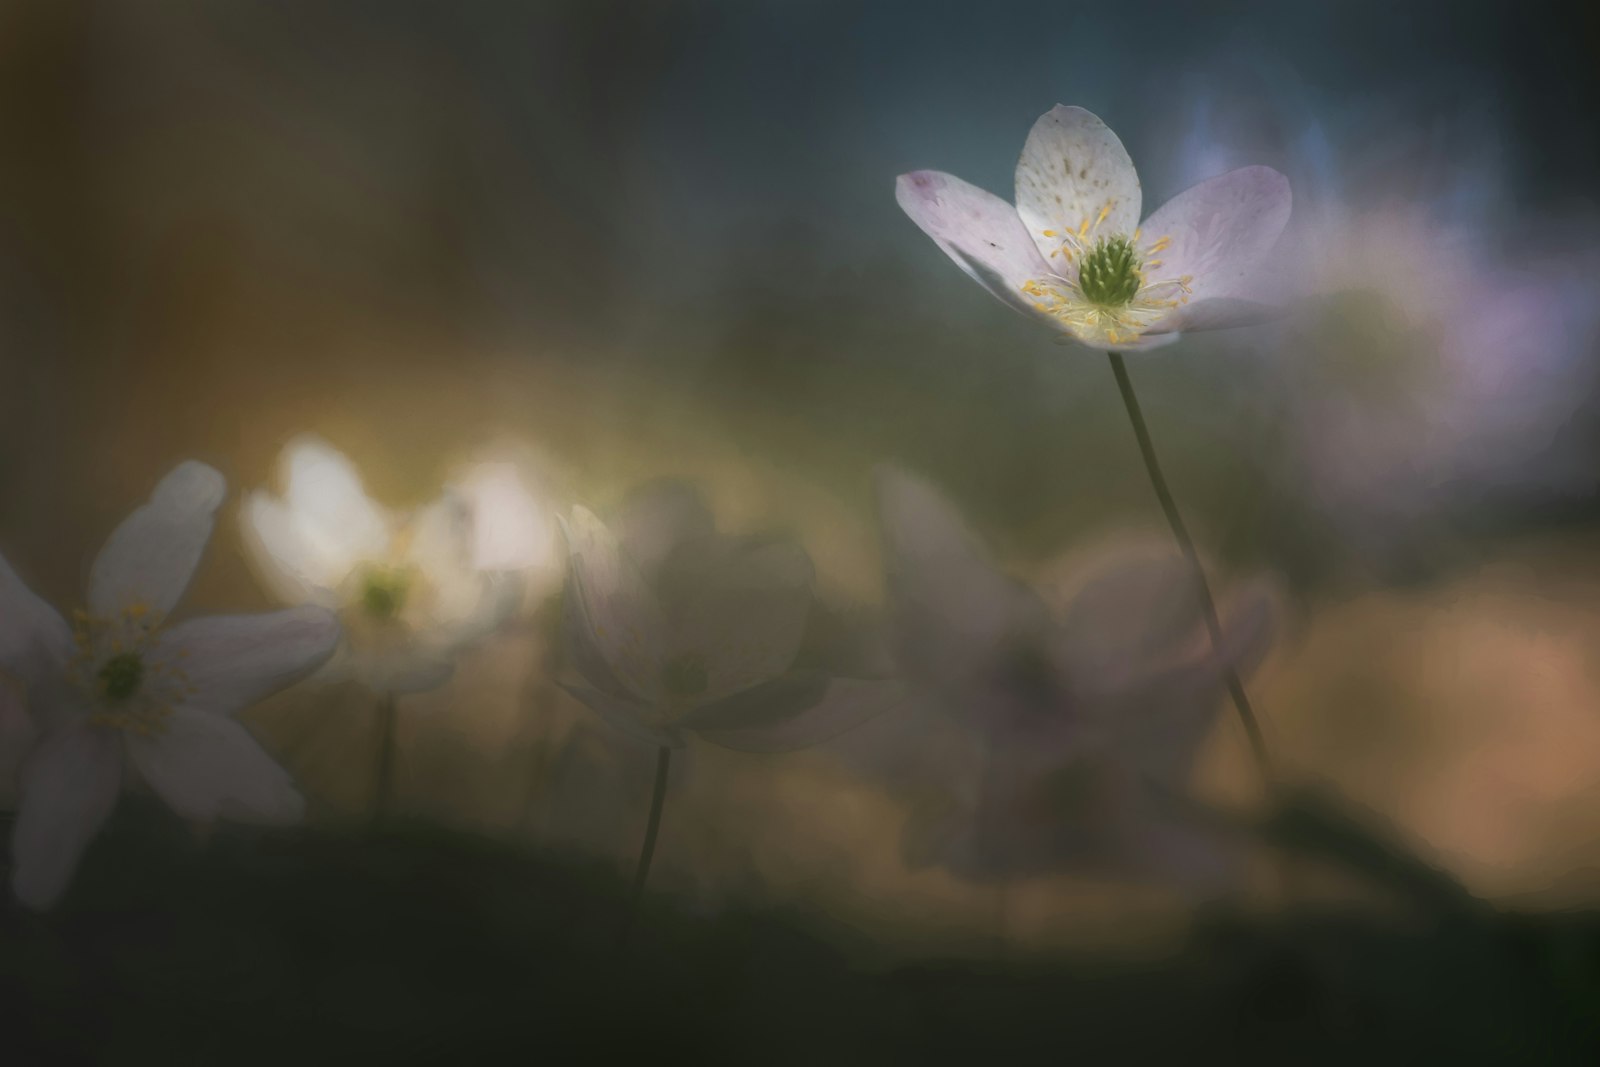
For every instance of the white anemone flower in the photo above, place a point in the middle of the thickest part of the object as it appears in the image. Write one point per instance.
(411, 588)
(1052, 730)
(1073, 253)
(678, 629)
(120, 681)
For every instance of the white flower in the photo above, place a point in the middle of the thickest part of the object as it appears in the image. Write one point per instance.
(676, 628)
(1052, 734)
(1072, 251)
(1439, 375)
(408, 587)
(120, 680)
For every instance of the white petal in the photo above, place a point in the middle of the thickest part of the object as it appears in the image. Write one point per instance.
(35, 641)
(206, 767)
(323, 526)
(150, 558)
(1219, 231)
(231, 662)
(980, 231)
(439, 545)
(949, 607)
(748, 617)
(511, 528)
(70, 784)
(290, 563)
(1216, 313)
(1073, 168)
(624, 715)
(620, 617)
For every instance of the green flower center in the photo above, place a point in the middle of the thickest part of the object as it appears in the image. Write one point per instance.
(121, 676)
(684, 676)
(1109, 274)
(384, 592)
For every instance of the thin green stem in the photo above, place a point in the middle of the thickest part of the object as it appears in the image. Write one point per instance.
(647, 852)
(383, 776)
(1208, 606)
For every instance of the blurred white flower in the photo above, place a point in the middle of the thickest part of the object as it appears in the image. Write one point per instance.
(1436, 371)
(676, 628)
(1441, 351)
(411, 588)
(1046, 731)
(511, 529)
(120, 680)
(1072, 251)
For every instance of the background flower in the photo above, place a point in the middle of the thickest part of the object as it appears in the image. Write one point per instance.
(1050, 728)
(410, 587)
(677, 628)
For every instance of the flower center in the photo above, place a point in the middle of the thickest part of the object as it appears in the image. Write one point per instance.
(131, 690)
(684, 677)
(121, 676)
(1109, 273)
(1114, 297)
(384, 591)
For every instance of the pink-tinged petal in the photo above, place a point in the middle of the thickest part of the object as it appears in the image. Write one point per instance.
(234, 661)
(35, 641)
(980, 231)
(1215, 313)
(625, 716)
(150, 558)
(746, 620)
(792, 713)
(70, 784)
(1217, 234)
(207, 767)
(949, 607)
(619, 616)
(1074, 176)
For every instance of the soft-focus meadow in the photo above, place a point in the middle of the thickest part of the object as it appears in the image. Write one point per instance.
(621, 242)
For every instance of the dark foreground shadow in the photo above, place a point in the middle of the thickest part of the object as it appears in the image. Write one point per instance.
(414, 945)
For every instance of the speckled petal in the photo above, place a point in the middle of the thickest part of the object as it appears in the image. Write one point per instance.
(1072, 169)
(1217, 234)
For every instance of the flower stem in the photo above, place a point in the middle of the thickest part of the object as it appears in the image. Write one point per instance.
(647, 852)
(1208, 607)
(540, 694)
(383, 777)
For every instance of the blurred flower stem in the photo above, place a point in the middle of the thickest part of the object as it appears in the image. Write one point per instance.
(539, 695)
(647, 851)
(383, 778)
(1180, 532)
